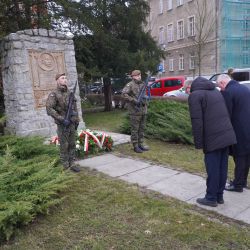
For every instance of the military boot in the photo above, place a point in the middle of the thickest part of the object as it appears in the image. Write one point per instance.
(137, 149)
(74, 168)
(144, 147)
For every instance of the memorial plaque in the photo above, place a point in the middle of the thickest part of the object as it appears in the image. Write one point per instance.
(44, 66)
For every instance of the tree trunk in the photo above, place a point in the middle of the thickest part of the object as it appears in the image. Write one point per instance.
(1, 93)
(107, 94)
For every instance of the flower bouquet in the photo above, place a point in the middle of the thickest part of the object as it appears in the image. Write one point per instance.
(88, 141)
(92, 142)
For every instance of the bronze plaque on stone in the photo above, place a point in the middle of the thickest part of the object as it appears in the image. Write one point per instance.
(44, 66)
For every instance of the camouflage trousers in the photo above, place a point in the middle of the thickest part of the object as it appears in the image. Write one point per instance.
(67, 144)
(137, 123)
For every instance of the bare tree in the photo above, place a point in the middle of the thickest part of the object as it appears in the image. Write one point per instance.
(205, 24)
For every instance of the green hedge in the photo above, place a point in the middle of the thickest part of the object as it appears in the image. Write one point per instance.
(167, 120)
(30, 181)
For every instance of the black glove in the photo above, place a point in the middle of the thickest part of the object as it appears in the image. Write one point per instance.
(65, 123)
(76, 125)
(136, 103)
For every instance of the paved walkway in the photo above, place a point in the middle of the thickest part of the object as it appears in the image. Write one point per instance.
(180, 185)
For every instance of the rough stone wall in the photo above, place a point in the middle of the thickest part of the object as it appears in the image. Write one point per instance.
(31, 58)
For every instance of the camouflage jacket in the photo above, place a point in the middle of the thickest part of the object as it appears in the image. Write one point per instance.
(130, 93)
(57, 105)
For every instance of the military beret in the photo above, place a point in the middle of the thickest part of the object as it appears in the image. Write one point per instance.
(59, 75)
(135, 72)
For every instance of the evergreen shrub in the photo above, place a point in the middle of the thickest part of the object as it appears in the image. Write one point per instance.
(167, 120)
(30, 183)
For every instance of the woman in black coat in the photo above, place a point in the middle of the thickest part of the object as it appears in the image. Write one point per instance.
(213, 132)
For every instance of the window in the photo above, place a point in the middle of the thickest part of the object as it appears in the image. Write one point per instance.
(169, 4)
(170, 32)
(160, 6)
(156, 85)
(192, 61)
(179, 2)
(181, 62)
(245, 59)
(171, 64)
(191, 25)
(180, 29)
(171, 83)
(161, 35)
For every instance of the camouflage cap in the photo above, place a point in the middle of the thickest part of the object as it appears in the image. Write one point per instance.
(59, 75)
(135, 72)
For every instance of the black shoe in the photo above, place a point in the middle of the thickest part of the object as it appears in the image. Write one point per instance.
(74, 168)
(220, 201)
(246, 186)
(137, 149)
(232, 188)
(144, 147)
(206, 202)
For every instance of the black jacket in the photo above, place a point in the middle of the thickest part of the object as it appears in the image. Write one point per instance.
(211, 124)
(237, 98)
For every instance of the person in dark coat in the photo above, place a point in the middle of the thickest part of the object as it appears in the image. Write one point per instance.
(237, 98)
(212, 132)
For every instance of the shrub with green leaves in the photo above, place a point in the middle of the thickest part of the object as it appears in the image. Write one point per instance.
(30, 181)
(167, 120)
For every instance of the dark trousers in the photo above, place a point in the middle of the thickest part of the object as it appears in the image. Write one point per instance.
(241, 170)
(216, 163)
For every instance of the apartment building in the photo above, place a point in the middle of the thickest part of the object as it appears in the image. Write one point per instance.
(201, 37)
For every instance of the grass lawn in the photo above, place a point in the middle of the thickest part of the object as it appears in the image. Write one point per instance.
(108, 121)
(102, 213)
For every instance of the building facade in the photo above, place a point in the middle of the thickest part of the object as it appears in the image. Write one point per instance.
(200, 37)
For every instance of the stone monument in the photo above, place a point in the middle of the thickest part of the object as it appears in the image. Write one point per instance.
(31, 59)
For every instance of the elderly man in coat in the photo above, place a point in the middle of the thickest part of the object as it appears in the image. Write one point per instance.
(237, 97)
(213, 132)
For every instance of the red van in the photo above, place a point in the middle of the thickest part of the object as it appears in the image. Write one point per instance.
(161, 86)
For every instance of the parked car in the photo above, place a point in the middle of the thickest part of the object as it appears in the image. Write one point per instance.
(238, 75)
(166, 84)
(180, 93)
(246, 83)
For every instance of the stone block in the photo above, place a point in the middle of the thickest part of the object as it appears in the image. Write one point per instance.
(52, 33)
(43, 32)
(17, 45)
(35, 32)
(13, 37)
(28, 32)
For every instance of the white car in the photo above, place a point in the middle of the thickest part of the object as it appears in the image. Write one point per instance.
(180, 93)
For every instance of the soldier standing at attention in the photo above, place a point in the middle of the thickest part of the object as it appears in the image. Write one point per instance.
(57, 106)
(137, 111)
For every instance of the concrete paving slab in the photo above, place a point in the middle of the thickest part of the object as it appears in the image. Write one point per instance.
(148, 176)
(244, 216)
(183, 186)
(121, 167)
(96, 161)
(235, 203)
(118, 138)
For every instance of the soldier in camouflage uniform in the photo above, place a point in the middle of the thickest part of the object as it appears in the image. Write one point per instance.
(137, 113)
(57, 105)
